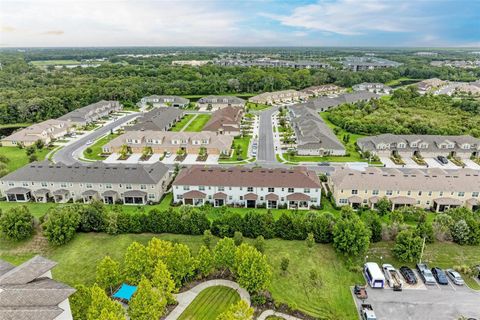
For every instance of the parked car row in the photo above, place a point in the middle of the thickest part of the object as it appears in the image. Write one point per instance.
(377, 279)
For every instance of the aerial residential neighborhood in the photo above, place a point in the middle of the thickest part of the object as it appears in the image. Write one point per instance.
(232, 160)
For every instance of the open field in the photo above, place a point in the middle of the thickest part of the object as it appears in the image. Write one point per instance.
(18, 157)
(210, 303)
(256, 106)
(198, 123)
(180, 124)
(97, 147)
(43, 63)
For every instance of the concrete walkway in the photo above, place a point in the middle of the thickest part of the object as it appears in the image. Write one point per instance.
(188, 123)
(185, 298)
(268, 313)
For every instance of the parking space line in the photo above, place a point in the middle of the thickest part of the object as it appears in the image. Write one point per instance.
(451, 285)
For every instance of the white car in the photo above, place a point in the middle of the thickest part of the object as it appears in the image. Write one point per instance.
(168, 155)
(455, 277)
(89, 142)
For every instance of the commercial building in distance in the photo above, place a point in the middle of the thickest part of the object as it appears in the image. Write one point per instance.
(296, 188)
(272, 63)
(270, 98)
(28, 292)
(368, 63)
(157, 119)
(313, 136)
(213, 103)
(164, 101)
(169, 141)
(226, 121)
(119, 183)
(463, 147)
(45, 131)
(430, 189)
(91, 113)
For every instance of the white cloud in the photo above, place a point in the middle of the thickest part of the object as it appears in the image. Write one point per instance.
(110, 23)
(351, 17)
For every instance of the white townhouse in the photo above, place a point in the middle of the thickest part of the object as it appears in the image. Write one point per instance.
(296, 188)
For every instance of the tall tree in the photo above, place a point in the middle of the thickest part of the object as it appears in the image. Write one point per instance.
(180, 263)
(205, 263)
(135, 263)
(16, 223)
(252, 270)
(162, 280)
(108, 274)
(147, 303)
(102, 303)
(350, 235)
(224, 254)
(238, 311)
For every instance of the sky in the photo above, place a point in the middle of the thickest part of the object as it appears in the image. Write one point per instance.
(78, 23)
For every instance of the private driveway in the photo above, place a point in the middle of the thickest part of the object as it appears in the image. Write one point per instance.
(185, 298)
(266, 149)
(434, 163)
(425, 302)
(71, 152)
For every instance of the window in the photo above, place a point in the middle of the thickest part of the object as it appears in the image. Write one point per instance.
(461, 194)
(271, 189)
(241, 198)
(201, 188)
(11, 184)
(306, 190)
(186, 188)
(250, 189)
(128, 186)
(25, 184)
(44, 184)
(375, 192)
(409, 192)
(354, 191)
(221, 188)
(430, 193)
(230, 198)
(108, 186)
(179, 196)
(151, 196)
(143, 186)
(419, 193)
(343, 201)
(63, 185)
(89, 186)
(441, 193)
(291, 189)
(389, 192)
(475, 194)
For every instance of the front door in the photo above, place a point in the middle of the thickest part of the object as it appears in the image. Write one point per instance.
(219, 202)
(251, 204)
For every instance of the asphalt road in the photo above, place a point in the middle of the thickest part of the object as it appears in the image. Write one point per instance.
(266, 149)
(70, 153)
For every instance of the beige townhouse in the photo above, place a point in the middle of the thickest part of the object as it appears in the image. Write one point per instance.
(45, 131)
(279, 97)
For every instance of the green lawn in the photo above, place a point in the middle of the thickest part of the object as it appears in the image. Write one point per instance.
(18, 157)
(198, 123)
(210, 303)
(14, 125)
(97, 147)
(243, 143)
(256, 106)
(42, 63)
(180, 124)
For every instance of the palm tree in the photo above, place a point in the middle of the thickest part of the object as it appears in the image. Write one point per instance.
(125, 151)
(146, 152)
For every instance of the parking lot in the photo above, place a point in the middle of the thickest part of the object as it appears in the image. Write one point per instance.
(435, 302)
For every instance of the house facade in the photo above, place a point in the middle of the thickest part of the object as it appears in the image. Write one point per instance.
(270, 98)
(378, 88)
(430, 146)
(313, 136)
(157, 119)
(164, 101)
(433, 189)
(169, 141)
(295, 188)
(92, 112)
(45, 131)
(213, 103)
(119, 183)
(226, 121)
(28, 292)
(323, 90)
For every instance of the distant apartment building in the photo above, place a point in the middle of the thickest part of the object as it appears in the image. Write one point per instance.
(462, 64)
(378, 88)
(226, 121)
(28, 292)
(296, 188)
(270, 98)
(164, 101)
(92, 112)
(426, 54)
(313, 136)
(430, 146)
(323, 90)
(120, 183)
(191, 63)
(368, 63)
(157, 119)
(213, 103)
(169, 141)
(45, 131)
(433, 189)
(272, 63)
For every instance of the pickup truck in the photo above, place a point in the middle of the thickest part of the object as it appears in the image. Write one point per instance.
(393, 277)
(366, 312)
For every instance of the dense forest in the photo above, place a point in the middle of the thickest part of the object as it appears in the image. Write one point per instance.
(407, 112)
(30, 94)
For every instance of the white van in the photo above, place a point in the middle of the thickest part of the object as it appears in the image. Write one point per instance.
(374, 275)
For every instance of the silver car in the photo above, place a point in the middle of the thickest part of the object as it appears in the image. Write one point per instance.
(455, 277)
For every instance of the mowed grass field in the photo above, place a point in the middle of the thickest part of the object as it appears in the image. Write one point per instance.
(198, 123)
(180, 124)
(210, 303)
(18, 157)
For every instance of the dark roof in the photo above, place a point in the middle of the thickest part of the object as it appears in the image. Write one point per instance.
(298, 197)
(17, 190)
(297, 177)
(27, 271)
(134, 193)
(158, 119)
(95, 172)
(224, 119)
(194, 194)
(251, 196)
(220, 195)
(326, 102)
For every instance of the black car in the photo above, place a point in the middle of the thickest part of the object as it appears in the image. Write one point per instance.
(409, 275)
(442, 159)
(440, 276)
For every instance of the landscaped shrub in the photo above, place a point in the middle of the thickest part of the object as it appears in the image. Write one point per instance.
(256, 224)
(408, 246)
(16, 223)
(61, 224)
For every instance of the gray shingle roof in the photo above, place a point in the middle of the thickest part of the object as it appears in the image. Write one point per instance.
(81, 114)
(96, 172)
(326, 102)
(311, 131)
(157, 119)
(221, 100)
(27, 271)
(164, 99)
